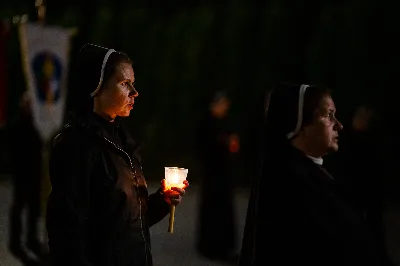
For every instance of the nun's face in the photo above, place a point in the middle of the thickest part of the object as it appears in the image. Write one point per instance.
(117, 96)
(322, 135)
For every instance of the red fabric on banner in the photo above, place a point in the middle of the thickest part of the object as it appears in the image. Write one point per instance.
(4, 29)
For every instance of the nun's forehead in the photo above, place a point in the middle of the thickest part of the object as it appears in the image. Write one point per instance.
(326, 103)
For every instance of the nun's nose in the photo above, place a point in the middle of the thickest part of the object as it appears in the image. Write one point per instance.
(133, 92)
(338, 125)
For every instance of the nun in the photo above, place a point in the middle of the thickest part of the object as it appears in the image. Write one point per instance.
(297, 213)
(100, 211)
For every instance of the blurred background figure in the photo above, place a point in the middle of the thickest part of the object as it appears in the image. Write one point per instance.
(361, 162)
(26, 151)
(218, 145)
(4, 35)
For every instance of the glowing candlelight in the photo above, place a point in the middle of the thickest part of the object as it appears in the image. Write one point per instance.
(174, 177)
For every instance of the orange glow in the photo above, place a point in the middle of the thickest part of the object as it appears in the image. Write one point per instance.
(174, 177)
(234, 143)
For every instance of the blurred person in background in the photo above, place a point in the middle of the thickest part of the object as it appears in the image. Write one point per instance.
(361, 163)
(218, 144)
(297, 212)
(26, 151)
(99, 211)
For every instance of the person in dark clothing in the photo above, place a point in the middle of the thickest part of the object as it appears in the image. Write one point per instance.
(362, 164)
(99, 210)
(297, 212)
(25, 141)
(218, 144)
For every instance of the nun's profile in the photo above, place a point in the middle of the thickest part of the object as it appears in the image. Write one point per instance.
(297, 213)
(100, 211)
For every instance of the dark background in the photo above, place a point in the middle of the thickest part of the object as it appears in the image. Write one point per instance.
(183, 51)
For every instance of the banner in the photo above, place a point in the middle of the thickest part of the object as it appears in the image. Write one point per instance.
(45, 59)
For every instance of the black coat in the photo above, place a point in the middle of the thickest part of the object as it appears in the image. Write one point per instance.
(99, 211)
(24, 140)
(298, 215)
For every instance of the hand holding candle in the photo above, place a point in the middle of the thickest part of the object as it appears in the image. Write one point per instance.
(173, 186)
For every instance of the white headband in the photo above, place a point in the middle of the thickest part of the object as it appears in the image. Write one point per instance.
(109, 52)
(302, 91)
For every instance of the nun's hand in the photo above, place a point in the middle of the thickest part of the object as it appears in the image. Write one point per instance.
(174, 195)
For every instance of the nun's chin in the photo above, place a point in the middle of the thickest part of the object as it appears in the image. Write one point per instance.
(334, 147)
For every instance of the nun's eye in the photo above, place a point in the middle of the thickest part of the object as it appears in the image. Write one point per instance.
(331, 116)
(128, 84)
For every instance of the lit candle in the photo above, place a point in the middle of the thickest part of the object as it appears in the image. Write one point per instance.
(174, 177)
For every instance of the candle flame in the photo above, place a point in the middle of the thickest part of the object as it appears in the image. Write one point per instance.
(175, 176)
